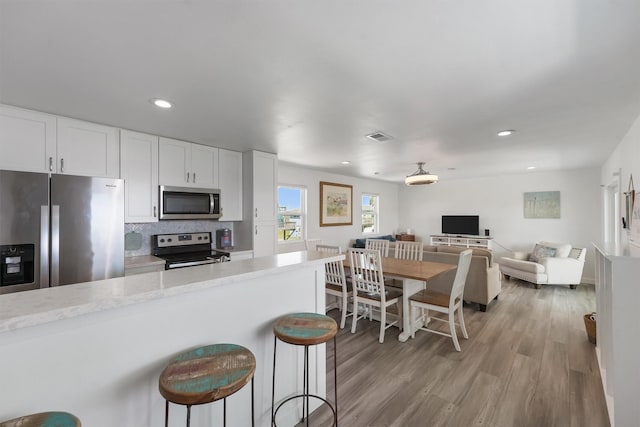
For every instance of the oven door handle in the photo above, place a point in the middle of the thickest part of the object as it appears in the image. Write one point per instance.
(190, 263)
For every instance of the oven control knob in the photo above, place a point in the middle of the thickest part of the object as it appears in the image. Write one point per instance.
(168, 240)
(161, 240)
(206, 237)
(199, 237)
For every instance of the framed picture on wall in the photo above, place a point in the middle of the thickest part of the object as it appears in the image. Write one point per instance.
(336, 204)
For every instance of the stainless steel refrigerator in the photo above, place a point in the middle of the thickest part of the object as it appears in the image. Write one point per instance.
(59, 229)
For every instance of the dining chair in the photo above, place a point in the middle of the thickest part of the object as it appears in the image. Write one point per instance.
(380, 244)
(409, 250)
(336, 282)
(310, 244)
(369, 288)
(426, 300)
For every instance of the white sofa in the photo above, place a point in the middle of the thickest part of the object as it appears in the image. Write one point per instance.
(564, 267)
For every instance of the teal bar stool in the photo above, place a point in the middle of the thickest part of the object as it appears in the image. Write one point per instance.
(305, 329)
(206, 374)
(44, 419)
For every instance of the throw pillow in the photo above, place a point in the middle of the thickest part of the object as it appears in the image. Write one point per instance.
(540, 251)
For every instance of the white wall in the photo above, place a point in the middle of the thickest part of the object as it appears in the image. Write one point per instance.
(626, 160)
(499, 203)
(339, 235)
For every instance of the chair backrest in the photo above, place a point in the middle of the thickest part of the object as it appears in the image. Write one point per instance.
(409, 250)
(457, 290)
(334, 274)
(380, 244)
(329, 248)
(366, 271)
(310, 244)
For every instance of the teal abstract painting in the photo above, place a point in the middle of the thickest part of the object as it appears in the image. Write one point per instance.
(542, 204)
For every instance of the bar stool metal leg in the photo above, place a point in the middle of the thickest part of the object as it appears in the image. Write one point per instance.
(273, 384)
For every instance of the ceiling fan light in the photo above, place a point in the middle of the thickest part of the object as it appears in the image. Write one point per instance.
(420, 177)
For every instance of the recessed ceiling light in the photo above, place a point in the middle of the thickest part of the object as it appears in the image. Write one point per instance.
(376, 173)
(531, 167)
(506, 132)
(161, 103)
(346, 162)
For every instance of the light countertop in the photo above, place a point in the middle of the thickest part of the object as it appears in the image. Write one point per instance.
(142, 261)
(31, 308)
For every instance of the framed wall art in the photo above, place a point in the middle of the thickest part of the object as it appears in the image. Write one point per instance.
(336, 204)
(542, 204)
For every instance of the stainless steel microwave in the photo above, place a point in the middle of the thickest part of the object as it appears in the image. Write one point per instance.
(189, 203)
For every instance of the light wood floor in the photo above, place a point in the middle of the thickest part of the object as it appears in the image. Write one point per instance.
(527, 363)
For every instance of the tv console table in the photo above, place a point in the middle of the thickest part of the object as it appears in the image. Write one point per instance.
(483, 242)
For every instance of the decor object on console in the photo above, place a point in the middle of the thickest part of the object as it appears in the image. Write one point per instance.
(548, 264)
(420, 177)
(336, 204)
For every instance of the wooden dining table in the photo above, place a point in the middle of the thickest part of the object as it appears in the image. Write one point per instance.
(414, 276)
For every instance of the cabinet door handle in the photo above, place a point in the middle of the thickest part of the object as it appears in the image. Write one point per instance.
(50, 164)
(187, 176)
(256, 230)
(154, 212)
(194, 177)
(61, 165)
(256, 212)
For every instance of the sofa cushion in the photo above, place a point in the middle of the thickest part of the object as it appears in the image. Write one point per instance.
(541, 251)
(531, 267)
(562, 249)
(361, 243)
(474, 251)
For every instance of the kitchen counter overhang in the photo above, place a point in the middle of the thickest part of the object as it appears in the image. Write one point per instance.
(96, 349)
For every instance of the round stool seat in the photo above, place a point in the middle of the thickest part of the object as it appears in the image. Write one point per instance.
(44, 419)
(305, 328)
(207, 374)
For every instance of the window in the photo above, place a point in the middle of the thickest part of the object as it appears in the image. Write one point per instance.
(291, 213)
(370, 213)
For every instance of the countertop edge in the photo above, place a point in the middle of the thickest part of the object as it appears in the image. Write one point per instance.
(103, 295)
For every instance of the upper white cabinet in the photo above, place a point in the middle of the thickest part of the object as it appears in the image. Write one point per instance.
(88, 149)
(265, 184)
(186, 164)
(27, 140)
(260, 182)
(139, 169)
(230, 180)
(38, 142)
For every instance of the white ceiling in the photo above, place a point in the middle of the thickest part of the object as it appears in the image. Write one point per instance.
(309, 78)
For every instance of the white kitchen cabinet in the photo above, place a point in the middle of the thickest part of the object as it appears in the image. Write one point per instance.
(87, 149)
(37, 142)
(265, 184)
(27, 140)
(139, 169)
(186, 164)
(617, 296)
(259, 230)
(264, 238)
(230, 180)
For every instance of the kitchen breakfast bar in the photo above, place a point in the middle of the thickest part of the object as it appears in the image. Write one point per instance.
(96, 349)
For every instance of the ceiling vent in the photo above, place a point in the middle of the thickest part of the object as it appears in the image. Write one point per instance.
(379, 137)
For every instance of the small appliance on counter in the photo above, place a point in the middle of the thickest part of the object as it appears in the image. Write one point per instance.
(186, 250)
(223, 239)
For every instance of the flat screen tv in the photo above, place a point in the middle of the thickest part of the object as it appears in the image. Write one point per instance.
(461, 224)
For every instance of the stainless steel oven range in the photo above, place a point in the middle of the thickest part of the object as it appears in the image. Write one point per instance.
(186, 250)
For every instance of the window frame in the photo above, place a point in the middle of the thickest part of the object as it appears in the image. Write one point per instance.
(376, 214)
(303, 213)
